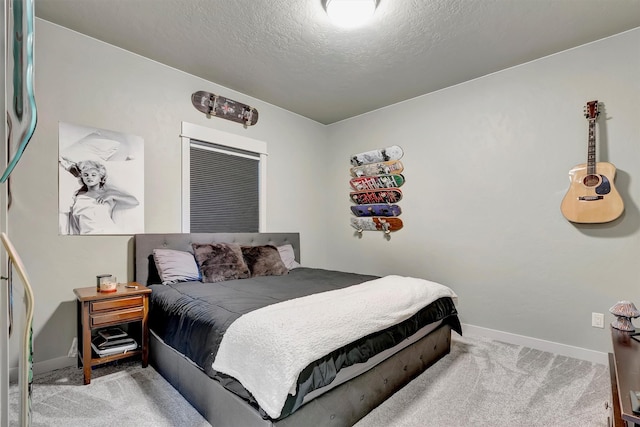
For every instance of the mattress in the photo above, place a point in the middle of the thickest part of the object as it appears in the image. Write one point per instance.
(192, 318)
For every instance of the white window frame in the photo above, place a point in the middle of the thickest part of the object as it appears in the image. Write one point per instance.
(203, 134)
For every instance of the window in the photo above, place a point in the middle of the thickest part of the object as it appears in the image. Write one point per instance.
(223, 182)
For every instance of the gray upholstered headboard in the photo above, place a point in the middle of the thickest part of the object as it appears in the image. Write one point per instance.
(144, 244)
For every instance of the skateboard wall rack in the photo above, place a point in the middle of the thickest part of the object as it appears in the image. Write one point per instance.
(376, 180)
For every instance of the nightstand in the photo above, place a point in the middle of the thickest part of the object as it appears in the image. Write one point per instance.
(101, 309)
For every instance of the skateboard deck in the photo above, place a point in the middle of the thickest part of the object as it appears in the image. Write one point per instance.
(376, 223)
(225, 108)
(379, 168)
(390, 195)
(381, 209)
(376, 182)
(381, 155)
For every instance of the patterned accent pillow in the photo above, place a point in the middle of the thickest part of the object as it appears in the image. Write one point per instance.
(175, 266)
(264, 261)
(220, 261)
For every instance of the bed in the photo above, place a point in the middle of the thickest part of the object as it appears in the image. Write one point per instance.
(337, 389)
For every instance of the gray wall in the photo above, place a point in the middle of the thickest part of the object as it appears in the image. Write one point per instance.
(83, 81)
(486, 166)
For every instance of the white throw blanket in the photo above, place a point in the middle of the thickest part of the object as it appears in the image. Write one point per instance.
(267, 349)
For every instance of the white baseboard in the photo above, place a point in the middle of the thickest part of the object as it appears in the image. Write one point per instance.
(467, 330)
(46, 366)
(538, 344)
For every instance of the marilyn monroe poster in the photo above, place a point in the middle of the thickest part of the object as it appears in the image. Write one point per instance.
(101, 181)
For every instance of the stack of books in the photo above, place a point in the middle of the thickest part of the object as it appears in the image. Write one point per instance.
(112, 341)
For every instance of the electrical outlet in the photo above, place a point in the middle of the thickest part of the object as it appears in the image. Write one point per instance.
(597, 320)
(73, 350)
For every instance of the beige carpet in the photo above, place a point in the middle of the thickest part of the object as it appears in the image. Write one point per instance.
(490, 383)
(119, 395)
(481, 383)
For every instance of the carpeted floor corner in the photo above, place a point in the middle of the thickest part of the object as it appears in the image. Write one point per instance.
(119, 395)
(491, 383)
(481, 383)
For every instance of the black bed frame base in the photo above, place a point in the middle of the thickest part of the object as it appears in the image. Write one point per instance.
(342, 406)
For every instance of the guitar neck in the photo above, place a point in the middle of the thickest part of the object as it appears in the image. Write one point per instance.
(591, 149)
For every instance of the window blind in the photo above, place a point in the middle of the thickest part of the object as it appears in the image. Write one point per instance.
(224, 190)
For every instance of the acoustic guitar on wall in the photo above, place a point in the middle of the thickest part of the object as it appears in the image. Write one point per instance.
(592, 197)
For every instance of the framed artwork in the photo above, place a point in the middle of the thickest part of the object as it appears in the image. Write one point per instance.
(101, 181)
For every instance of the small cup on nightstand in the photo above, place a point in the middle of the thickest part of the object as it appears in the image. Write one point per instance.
(107, 283)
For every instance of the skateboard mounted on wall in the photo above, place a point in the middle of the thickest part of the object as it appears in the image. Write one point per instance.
(388, 195)
(379, 209)
(375, 223)
(225, 108)
(377, 182)
(380, 155)
(378, 168)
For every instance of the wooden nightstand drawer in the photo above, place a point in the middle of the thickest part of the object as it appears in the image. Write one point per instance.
(118, 316)
(111, 304)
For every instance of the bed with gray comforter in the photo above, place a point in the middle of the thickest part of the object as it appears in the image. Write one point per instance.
(188, 321)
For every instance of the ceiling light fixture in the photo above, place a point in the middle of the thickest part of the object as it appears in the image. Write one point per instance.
(350, 13)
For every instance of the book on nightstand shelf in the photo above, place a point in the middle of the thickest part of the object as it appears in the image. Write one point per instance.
(111, 333)
(112, 341)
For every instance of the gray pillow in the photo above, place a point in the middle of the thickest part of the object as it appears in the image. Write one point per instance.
(288, 256)
(175, 266)
(264, 261)
(220, 261)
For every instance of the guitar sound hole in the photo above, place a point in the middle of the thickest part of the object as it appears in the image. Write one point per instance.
(591, 180)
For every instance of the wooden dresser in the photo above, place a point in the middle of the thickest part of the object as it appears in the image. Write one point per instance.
(624, 366)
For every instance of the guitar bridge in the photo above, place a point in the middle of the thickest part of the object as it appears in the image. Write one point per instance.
(590, 198)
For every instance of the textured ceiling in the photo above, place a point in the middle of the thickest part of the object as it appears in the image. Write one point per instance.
(287, 53)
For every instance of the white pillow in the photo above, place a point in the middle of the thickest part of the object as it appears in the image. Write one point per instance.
(176, 266)
(288, 257)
